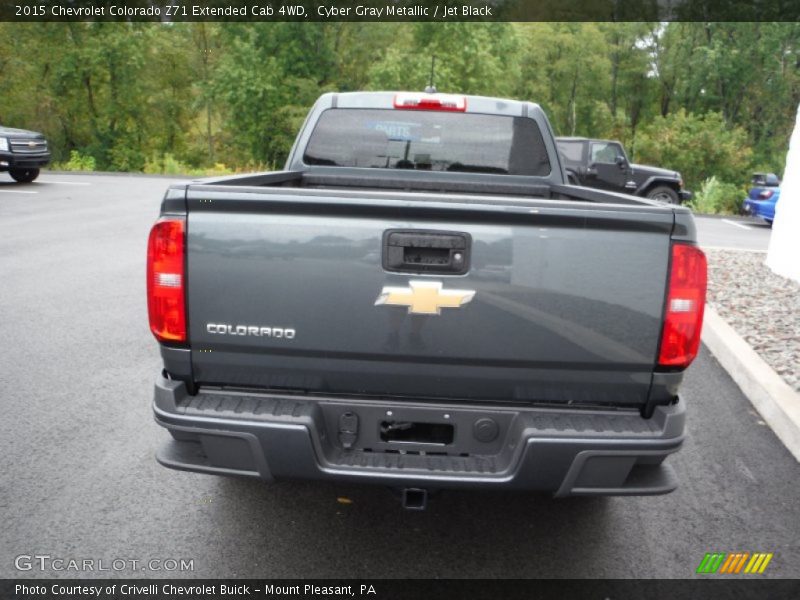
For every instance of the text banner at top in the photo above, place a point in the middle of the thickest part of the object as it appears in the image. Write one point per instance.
(398, 10)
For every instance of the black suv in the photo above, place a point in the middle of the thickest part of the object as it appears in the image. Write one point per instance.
(603, 164)
(22, 153)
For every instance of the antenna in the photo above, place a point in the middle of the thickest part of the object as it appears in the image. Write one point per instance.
(431, 89)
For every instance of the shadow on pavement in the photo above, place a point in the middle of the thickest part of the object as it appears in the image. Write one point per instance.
(374, 535)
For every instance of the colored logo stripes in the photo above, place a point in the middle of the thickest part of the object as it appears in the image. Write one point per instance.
(734, 562)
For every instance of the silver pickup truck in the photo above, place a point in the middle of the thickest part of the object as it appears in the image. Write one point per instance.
(419, 300)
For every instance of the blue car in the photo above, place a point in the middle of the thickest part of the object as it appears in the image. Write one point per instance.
(763, 197)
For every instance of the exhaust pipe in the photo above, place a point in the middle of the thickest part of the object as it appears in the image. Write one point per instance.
(415, 498)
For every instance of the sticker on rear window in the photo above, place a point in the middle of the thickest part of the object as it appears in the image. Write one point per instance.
(397, 130)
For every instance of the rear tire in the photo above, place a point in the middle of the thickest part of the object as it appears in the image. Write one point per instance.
(23, 175)
(664, 193)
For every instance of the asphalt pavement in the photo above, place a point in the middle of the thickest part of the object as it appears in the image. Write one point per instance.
(78, 479)
(734, 233)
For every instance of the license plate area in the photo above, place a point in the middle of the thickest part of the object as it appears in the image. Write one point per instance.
(406, 428)
(416, 433)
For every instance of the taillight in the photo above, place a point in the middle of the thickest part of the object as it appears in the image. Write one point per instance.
(449, 102)
(166, 281)
(765, 194)
(686, 299)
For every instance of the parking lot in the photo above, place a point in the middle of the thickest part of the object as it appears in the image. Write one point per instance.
(734, 233)
(77, 438)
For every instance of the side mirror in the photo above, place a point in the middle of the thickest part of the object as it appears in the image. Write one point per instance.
(621, 162)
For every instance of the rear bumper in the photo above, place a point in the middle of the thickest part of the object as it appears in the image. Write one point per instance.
(759, 208)
(563, 452)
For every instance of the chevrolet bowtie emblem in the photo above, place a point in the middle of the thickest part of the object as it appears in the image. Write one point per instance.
(32, 144)
(424, 297)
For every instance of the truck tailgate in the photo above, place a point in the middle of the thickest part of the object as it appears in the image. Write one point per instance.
(284, 291)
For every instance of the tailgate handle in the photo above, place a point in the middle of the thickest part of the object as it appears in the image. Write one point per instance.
(412, 251)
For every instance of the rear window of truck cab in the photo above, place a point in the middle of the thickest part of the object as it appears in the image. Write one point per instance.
(427, 141)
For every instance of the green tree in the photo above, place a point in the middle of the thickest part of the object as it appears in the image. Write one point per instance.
(130, 94)
(266, 87)
(471, 58)
(697, 146)
(565, 68)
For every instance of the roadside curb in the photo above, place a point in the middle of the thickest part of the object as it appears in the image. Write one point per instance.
(730, 249)
(771, 396)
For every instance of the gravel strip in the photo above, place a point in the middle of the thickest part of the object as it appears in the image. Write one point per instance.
(761, 307)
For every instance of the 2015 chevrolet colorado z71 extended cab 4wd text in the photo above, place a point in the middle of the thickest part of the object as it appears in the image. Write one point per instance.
(420, 300)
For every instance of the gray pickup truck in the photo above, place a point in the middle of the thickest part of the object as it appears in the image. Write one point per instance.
(419, 300)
